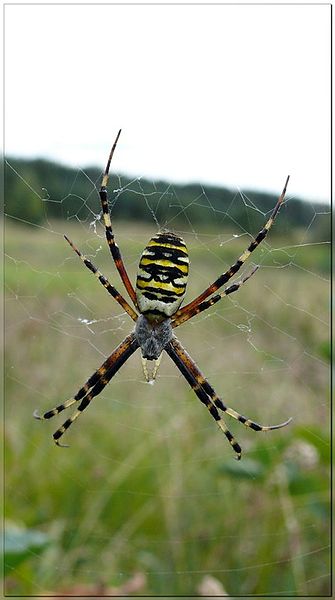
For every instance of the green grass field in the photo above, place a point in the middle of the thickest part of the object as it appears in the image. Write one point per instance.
(149, 494)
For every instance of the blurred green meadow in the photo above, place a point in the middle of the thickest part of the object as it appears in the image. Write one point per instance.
(148, 498)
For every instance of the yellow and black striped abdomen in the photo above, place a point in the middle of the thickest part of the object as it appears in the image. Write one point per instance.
(162, 276)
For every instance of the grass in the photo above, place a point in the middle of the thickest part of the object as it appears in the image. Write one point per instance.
(149, 485)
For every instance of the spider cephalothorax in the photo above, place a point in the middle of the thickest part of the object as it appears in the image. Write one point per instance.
(152, 336)
(160, 288)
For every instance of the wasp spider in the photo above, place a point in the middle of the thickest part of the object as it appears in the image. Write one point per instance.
(160, 288)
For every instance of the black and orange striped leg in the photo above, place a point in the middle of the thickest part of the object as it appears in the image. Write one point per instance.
(208, 303)
(183, 355)
(202, 383)
(114, 249)
(93, 386)
(183, 367)
(240, 261)
(109, 287)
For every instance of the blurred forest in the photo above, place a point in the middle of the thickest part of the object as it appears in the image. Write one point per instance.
(72, 193)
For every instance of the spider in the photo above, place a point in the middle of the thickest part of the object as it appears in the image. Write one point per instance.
(160, 288)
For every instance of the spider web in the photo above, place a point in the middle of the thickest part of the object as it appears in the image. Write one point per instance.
(148, 499)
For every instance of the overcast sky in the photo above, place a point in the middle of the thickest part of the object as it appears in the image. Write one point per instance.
(237, 95)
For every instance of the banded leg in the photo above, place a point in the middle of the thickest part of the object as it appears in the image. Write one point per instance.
(113, 247)
(202, 395)
(109, 287)
(208, 303)
(111, 361)
(240, 261)
(202, 382)
(94, 385)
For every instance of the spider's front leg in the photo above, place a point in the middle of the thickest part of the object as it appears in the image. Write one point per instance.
(94, 385)
(183, 366)
(208, 396)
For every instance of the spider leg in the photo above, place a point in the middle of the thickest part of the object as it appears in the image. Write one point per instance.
(181, 357)
(208, 303)
(238, 264)
(109, 287)
(113, 247)
(183, 366)
(94, 385)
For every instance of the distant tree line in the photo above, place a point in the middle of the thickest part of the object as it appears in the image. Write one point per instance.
(39, 189)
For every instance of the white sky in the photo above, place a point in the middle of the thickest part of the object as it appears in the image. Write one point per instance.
(236, 95)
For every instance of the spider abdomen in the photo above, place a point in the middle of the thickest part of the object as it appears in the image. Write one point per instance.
(162, 276)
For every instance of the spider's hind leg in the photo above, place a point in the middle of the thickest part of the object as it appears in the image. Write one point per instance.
(113, 247)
